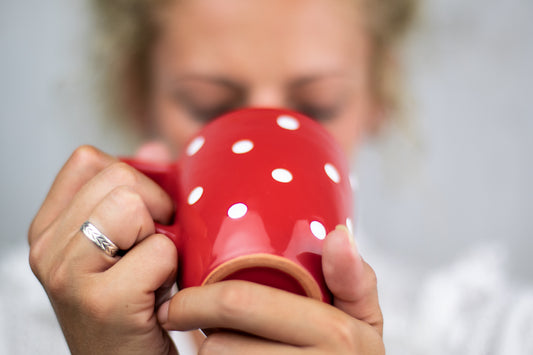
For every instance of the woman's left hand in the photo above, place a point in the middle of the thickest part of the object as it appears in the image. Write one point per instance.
(265, 320)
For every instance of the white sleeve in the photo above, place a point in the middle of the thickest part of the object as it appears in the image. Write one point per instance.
(28, 324)
(472, 308)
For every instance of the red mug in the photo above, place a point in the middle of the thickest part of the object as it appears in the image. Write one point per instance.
(256, 191)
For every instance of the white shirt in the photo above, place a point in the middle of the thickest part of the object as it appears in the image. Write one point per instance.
(467, 307)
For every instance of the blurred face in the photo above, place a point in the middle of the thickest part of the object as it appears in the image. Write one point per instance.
(213, 56)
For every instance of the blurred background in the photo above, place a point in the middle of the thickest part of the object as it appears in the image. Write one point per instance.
(459, 185)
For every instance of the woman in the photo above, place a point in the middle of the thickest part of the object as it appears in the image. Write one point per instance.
(189, 62)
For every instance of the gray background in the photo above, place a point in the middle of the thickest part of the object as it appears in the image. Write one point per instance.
(464, 178)
(461, 180)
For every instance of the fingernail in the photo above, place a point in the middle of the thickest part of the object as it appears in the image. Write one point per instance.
(162, 313)
(342, 227)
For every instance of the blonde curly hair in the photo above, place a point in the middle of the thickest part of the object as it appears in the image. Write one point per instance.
(126, 30)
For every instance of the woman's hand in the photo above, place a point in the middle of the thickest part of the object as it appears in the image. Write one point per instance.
(265, 320)
(105, 305)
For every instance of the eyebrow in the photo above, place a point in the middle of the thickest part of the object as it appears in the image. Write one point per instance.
(303, 80)
(216, 79)
(236, 86)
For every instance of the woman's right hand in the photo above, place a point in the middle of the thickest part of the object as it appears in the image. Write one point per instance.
(105, 305)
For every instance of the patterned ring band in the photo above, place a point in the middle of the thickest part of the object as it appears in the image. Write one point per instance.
(101, 241)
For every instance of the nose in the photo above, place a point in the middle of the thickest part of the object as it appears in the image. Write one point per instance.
(266, 97)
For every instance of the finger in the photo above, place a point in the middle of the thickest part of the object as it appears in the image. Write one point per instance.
(233, 343)
(83, 165)
(54, 238)
(350, 279)
(155, 198)
(255, 309)
(123, 218)
(147, 267)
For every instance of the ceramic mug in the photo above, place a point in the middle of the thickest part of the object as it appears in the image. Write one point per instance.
(256, 191)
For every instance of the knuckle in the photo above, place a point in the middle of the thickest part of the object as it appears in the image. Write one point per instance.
(234, 300)
(35, 259)
(39, 253)
(85, 155)
(128, 200)
(212, 344)
(342, 332)
(58, 280)
(122, 174)
(165, 248)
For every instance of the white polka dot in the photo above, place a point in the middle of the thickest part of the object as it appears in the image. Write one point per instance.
(288, 122)
(195, 195)
(196, 144)
(242, 146)
(332, 172)
(238, 210)
(318, 229)
(349, 225)
(282, 175)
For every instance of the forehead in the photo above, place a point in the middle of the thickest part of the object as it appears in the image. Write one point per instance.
(266, 35)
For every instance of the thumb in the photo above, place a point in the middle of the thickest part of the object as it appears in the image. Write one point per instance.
(155, 151)
(351, 280)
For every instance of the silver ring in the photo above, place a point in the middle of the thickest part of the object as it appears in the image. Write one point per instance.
(98, 238)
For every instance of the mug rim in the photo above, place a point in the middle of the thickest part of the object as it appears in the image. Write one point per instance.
(270, 261)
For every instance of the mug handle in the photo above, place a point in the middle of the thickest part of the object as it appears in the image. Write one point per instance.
(165, 175)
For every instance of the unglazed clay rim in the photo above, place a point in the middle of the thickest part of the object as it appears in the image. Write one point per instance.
(304, 278)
